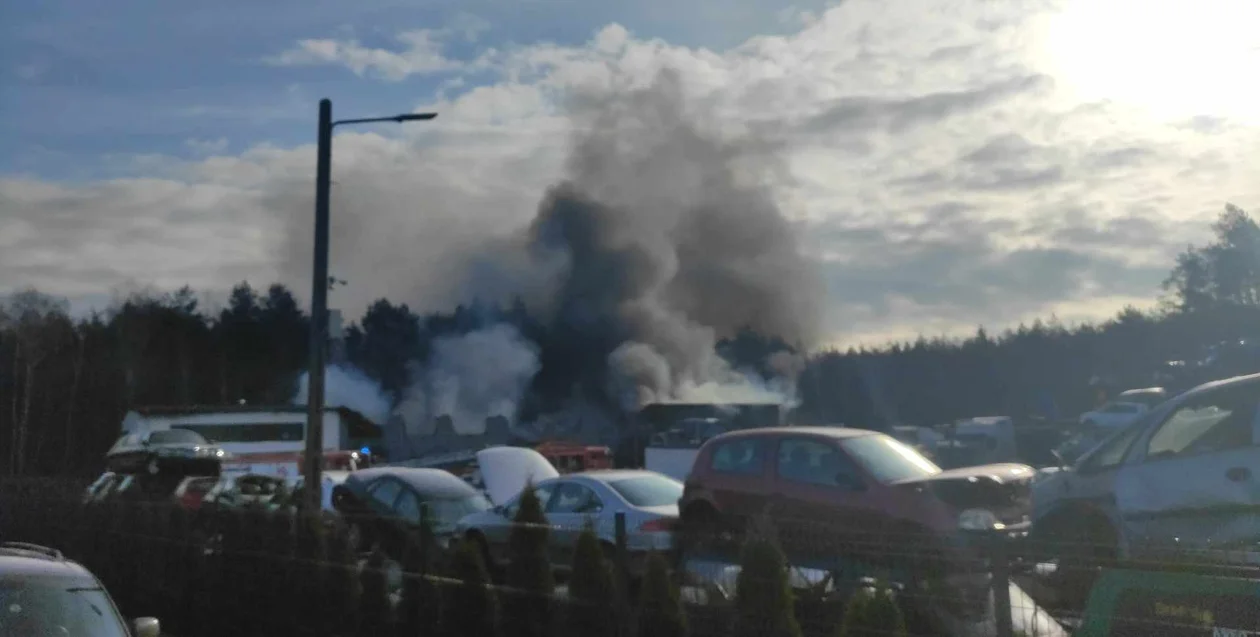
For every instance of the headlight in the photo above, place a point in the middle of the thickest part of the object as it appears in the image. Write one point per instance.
(978, 520)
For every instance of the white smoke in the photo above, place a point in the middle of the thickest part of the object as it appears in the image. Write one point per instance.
(470, 378)
(347, 386)
(641, 375)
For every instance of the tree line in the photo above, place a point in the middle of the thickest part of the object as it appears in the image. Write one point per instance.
(66, 382)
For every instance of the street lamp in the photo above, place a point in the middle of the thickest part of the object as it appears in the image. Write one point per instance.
(319, 295)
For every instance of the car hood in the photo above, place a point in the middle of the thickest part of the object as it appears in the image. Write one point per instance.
(1002, 473)
(1003, 488)
(506, 470)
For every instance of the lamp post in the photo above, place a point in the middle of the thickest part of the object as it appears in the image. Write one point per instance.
(320, 283)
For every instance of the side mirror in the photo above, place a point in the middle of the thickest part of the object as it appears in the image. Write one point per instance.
(146, 627)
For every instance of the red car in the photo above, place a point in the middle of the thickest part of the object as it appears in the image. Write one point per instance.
(834, 490)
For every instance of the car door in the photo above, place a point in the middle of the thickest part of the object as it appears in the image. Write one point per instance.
(406, 512)
(820, 493)
(498, 529)
(1195, 477)
(572, 506)
(381, 494)
(738, 476)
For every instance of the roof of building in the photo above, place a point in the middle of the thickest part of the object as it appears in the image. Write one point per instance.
(359, 424)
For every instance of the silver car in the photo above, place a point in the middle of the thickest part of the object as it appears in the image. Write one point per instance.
(571, 502)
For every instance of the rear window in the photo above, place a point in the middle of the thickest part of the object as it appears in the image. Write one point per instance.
(649, 491)
(745, 456)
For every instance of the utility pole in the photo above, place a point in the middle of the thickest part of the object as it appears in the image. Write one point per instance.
(314, 448)
(319, 314)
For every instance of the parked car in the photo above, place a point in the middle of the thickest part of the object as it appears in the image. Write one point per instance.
(1185, 477)
(1114, 414)
(383, 504)
(43, 593)
(648, 500)
(832, 490)
(177, 450)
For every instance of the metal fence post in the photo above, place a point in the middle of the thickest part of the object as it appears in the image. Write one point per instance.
(620, 538)
(999, 564)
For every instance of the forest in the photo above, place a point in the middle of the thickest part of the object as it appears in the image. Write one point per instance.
(66, 382)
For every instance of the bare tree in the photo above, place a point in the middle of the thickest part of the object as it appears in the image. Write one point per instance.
(41, 326)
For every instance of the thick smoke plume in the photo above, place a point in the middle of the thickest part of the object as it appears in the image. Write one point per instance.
(470, 378)
(668, 239)
(347, 386)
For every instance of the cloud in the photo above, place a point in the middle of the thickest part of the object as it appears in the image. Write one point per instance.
(931, 158)
(421, 54)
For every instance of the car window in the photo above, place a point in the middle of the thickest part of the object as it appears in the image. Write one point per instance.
(888, 459)
(571, 497)
(1113, 450)
(649, 490)
(744, 456)
(176, 436)
(385, 491)
(1212, 423)
(814, 462)
(543, 491)
(407, 506)
(55, 607)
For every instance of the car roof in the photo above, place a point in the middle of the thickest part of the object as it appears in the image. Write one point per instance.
(610, 475)
(435, 483)
(27, 561)
(838, 432)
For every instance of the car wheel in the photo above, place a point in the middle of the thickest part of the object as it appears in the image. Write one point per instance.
(151, 466)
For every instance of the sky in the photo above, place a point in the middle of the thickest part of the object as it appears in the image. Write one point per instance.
(948, 163)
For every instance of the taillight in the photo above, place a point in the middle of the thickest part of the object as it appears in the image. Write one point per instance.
(657, 525)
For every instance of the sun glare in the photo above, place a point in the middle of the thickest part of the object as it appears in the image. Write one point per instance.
(1173, 58)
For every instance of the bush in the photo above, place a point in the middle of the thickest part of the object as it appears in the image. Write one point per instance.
(469, 609)
(660, 611)
(306, 575)
(529, 580)
(594, 600)
(872, 611)
(341, 588)
(376, 614)
(763, 594)
(419, 610)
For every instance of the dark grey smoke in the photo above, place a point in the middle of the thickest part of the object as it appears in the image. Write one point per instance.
(669, 239)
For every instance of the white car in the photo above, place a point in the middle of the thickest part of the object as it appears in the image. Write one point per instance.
(1114, 415)
(1187, 476)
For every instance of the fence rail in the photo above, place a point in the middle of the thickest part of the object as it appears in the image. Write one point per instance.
(239, 571)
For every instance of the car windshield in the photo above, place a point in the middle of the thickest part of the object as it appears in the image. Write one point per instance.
(649, 491)
(176, 437)
(38, 607)
(446, 512)
(888, 459)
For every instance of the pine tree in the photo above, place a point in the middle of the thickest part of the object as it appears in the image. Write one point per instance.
(376, 614)
(660, 610)
(527, 605)
(872, 612)
(764, 604)
(419, 610)
(593, 596)
(469, 609)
